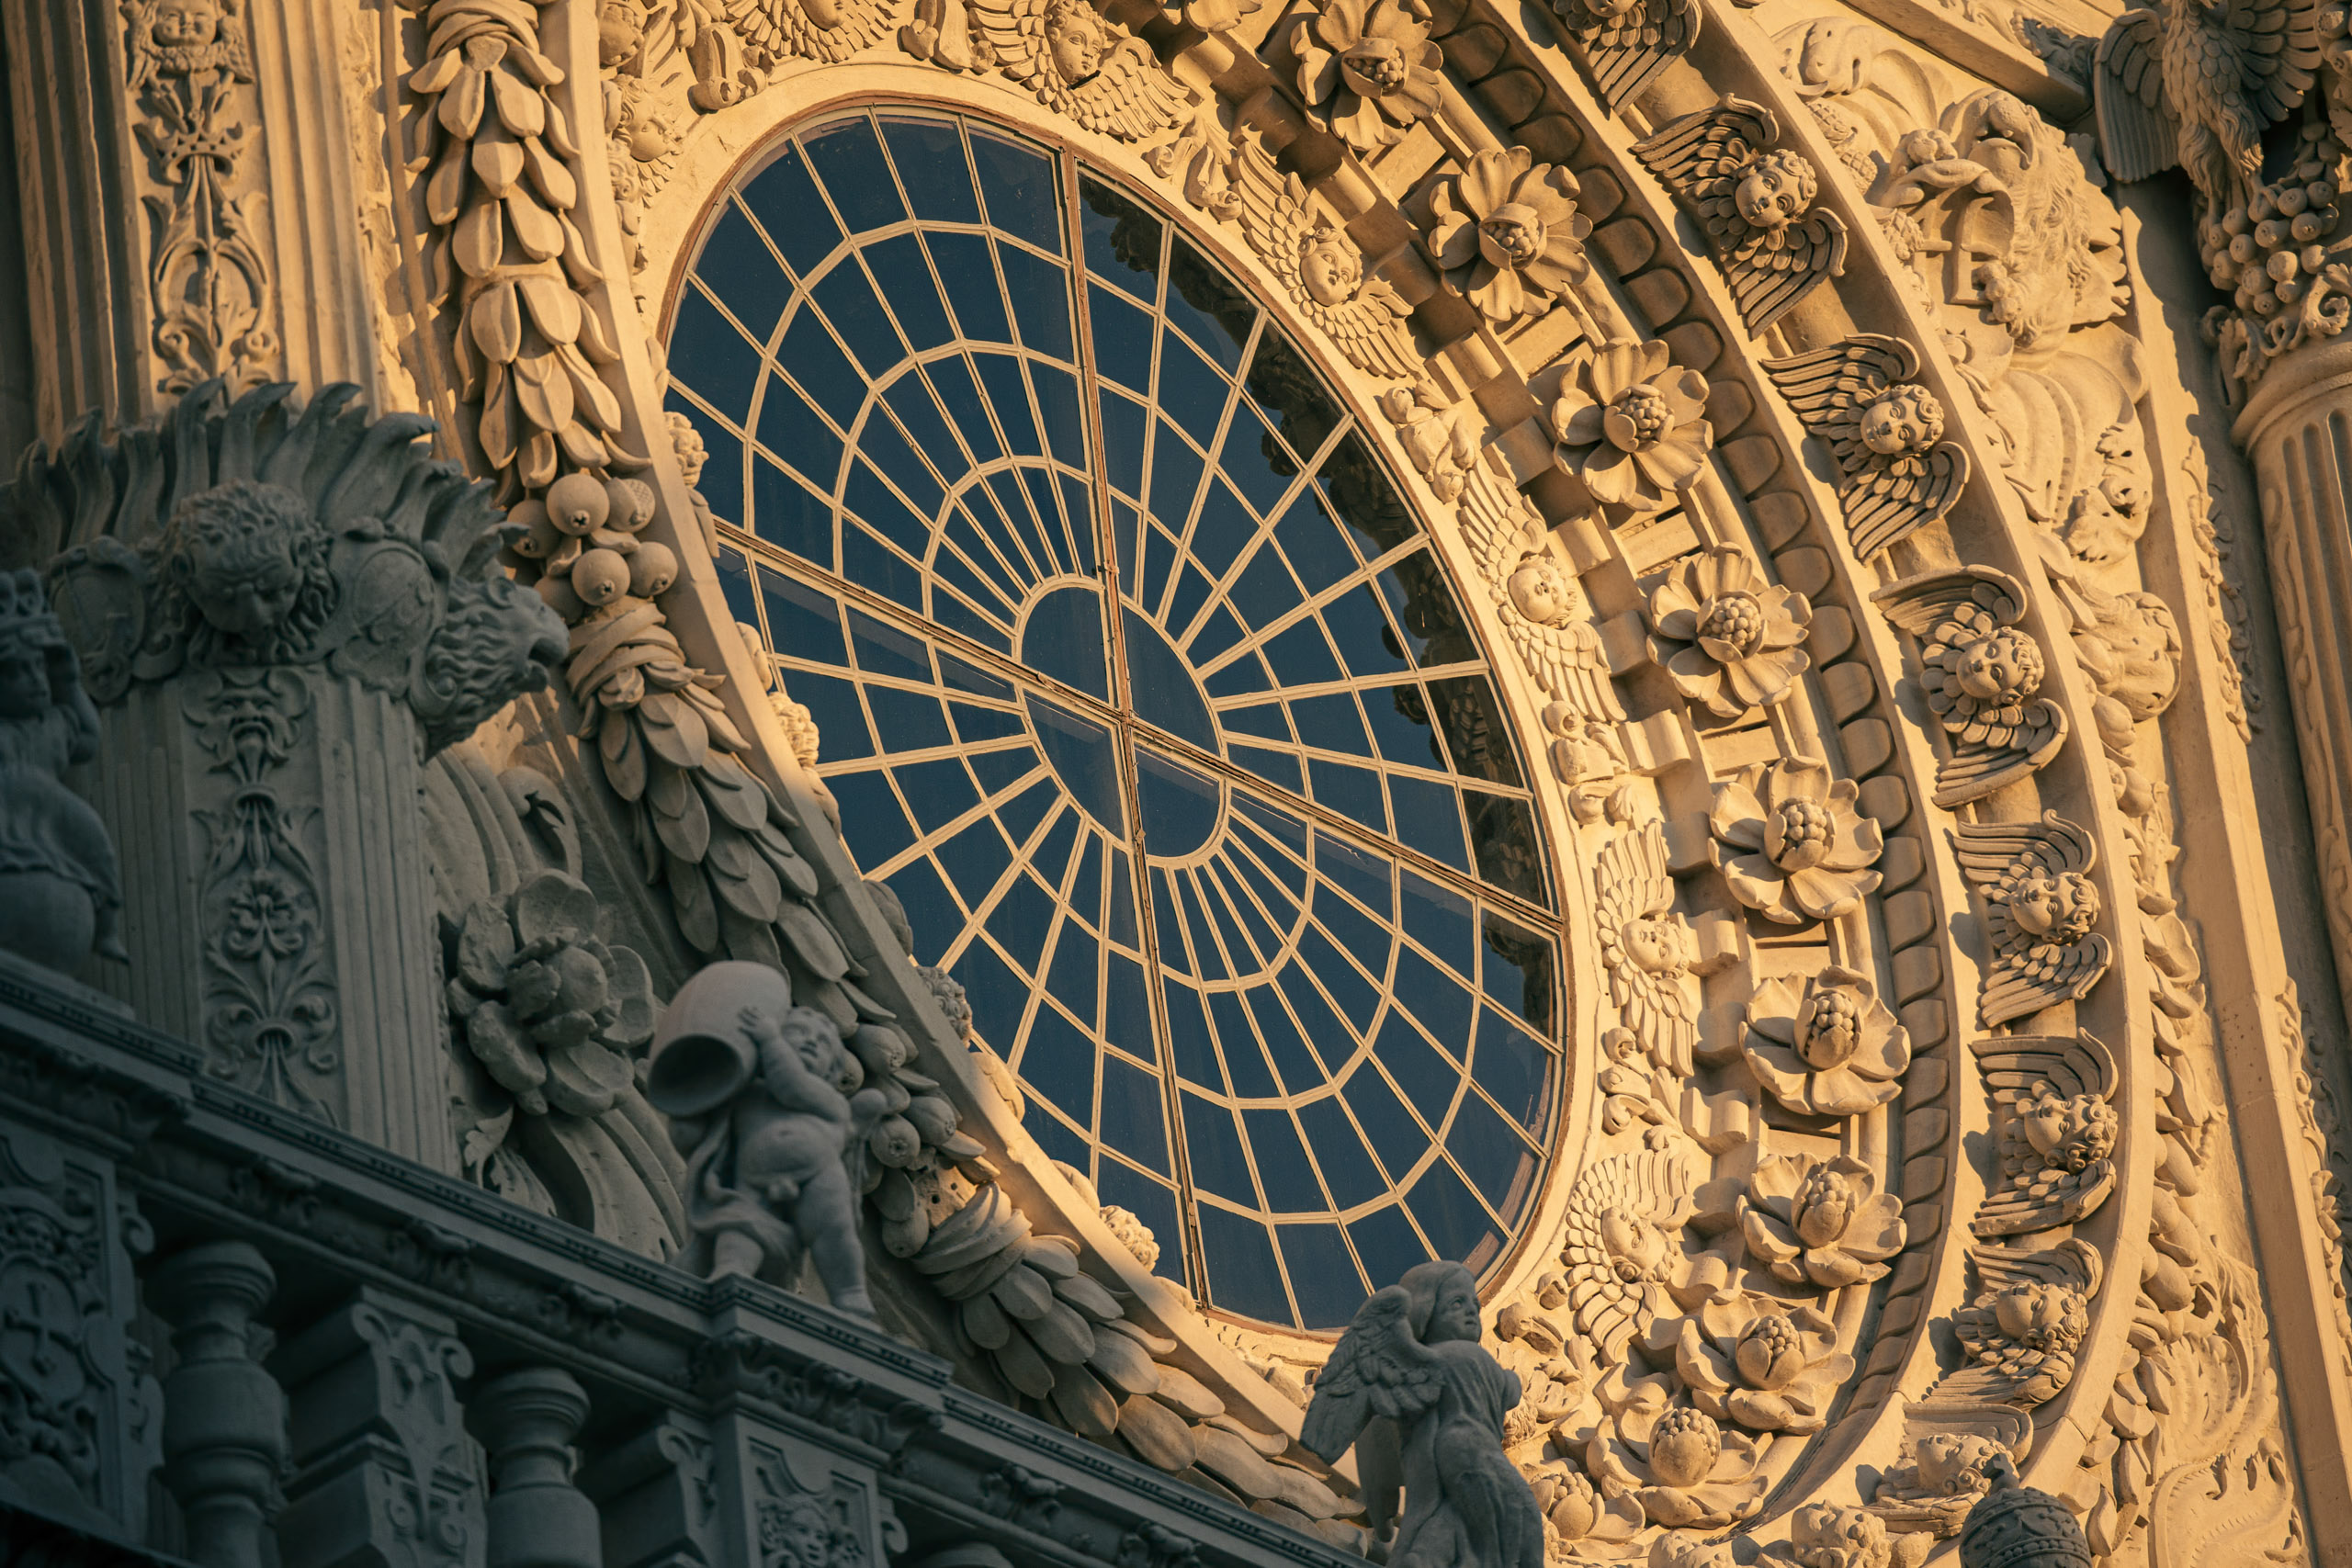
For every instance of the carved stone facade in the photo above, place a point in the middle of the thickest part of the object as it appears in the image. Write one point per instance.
(1879, 500)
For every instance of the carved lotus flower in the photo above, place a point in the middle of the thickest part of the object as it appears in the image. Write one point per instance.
(1790, 843)
(1368, 68)
(1743, 1359)
(1820, 1222)
(1632, 424)
(1743, 636)
(1578, 1511)
(1829, 1049)
(1684, 1470)
(551, 1013)
(1507, 234)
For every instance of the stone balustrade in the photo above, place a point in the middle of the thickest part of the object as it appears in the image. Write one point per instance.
(328, 1356)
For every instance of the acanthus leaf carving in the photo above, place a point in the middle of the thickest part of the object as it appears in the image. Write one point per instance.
(2039, 906)
(1982, 673)
(1884, 431)
(1755, 200)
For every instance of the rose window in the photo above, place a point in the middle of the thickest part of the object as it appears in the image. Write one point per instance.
(1139, 682)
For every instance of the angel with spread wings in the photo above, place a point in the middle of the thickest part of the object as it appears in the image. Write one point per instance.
(1648, 948)
(1081, 64)
(2055, 1126)
(2195, 82)
(1755, 200)
(1321, 265)
(2040, 905)
(1980, 672)
(1898, 473)
(1627, 42)
(1423, 1403)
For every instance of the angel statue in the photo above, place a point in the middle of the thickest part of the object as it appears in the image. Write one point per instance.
(1081, 63)
(1423, 1403)
(60, 891)
(769, 1110)
(2195, 85)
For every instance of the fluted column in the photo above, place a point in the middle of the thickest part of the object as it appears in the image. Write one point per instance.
(224, 1419)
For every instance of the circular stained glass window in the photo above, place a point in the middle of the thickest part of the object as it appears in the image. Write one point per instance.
(1139, 682)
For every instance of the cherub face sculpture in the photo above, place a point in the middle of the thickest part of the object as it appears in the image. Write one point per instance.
(185, 24)
(1775, 190)
(1330, 266)
(2062, 908)
(1075, 37)
(2040, 1316)
(253, 563)
(2002, 669)
(1636, 1248)
(1539, 591)
(1455, 1317)
(24, 682)
(2069, 1130)
(1905, 419)
(1656, 945)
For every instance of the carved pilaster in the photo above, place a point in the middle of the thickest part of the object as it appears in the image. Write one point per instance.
(658, 1494)
(783, 1496)
(187, 204)
(224, 1427)
(80, 1419)
(386, 1474)
(281, 612)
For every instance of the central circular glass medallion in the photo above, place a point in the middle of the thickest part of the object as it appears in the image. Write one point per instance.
(1141, 685)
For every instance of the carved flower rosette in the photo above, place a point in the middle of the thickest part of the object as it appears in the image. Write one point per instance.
(1632, 424)
(1506, 233)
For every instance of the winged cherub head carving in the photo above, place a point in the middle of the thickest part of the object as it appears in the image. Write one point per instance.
(1999, 670)
(1539, 590)
(2068, 1130)
(251, 562)
(1657, 945)
(2062, 906)
(1330, 267)
(1776, 188)
(1902, 419)
(1074, 36)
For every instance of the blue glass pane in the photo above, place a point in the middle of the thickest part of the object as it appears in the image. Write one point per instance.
(1061, 636)
(710, 354)
(785, 199)
(930, 158)
(1322, 1274)
(1239, 1257)
(1017, 183)
(849, 159)
(1179, 808)
(1384, 1241)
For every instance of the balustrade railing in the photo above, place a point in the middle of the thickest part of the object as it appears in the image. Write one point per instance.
(320, 1355)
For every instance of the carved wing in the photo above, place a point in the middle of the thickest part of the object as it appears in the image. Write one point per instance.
(1773, 268)
(1990, 853)
(1274, 212)
(1654, 1185)
(2036, 1196)
(1131, 97)
(1569, 663)
(2138, 134)
(1979, 763)
(775, 30)
(2022, 983)
(1378, 1369)
(1630, 876)
(1829, 388)
(1626, 51)
(1015, 30)
(2278, 45)
(1370, 329)
(2074, 1263)
(1699, 155)
(1892, 500)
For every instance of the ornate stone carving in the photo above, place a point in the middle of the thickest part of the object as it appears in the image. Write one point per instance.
(1506, 234)
(2178, 85)
(2055, 1128)
(60, 893)
(1627, 42)
(1822, 1222)
(1755, 200)
(1827, 1048)
(1081, 63)
(1684, 1470)
(1791, 841)
(1649, 950)
(1943, 1476)
(1367, 70)
(1729, 640)
(766, 1104)
(224, 1428)
(1411, 1389)
(1319, 266)
(2026, 1319)
(1630, 424)
(1886, 432)
(208, 262)
(1761, 1363)
(1622, 1248)
(2040, 905)
(80, 1416)
(526, 1419)
(1981, 673)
